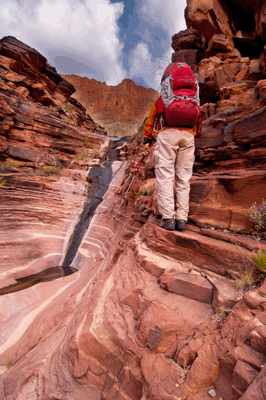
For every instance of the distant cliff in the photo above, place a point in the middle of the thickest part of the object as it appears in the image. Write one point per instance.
(120, 109)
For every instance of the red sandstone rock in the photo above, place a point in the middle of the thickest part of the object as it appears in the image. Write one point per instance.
(189, 285)
(246, 354)
(257, 389)
(258, 339)
(208, 18)
(120, 109)
(162, 376)
(187, 39)
(254, 300)
(98, 332)
(219, 42)
(243, 375)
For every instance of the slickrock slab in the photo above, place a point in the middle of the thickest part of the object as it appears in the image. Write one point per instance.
(231, 195)
(243, 376)
(222, 258)
(37, 216)
(162, 376)
(258, 339)
(257, 388)
(246, 354)
(254, 300)
(224, 291)
(190, 285)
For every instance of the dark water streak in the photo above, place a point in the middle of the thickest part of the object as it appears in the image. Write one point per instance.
(99, 178)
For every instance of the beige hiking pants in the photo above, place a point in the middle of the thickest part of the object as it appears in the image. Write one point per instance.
(174, 158)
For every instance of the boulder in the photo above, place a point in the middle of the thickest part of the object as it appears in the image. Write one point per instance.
(219, 43)
(208, 18)
(190, 56)
(243, 376)
(187, 39)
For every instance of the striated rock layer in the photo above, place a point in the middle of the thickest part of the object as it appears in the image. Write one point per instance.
(121, 109)
(137, 312)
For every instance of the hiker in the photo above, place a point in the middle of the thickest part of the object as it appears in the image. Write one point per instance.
(176, 115)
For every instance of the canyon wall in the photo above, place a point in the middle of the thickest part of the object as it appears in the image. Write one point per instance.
(138, 312)
(120, 109)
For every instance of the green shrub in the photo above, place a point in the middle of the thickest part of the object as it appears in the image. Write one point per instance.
(51, 170)
(87, 139)
(9, 363)
(245, 279)
(84, 155)
(259, 259)
(67, 108)
(257, 215)
(3, 182)
(9, 164)
(147, 191)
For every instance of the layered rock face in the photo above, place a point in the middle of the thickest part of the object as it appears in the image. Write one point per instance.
(226, 52)
(134, 311)
(120, 109)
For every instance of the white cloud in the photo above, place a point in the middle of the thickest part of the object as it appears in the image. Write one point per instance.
(83, 36)
(166, 14)
(156, 16)
(142, 66)
(80, 29)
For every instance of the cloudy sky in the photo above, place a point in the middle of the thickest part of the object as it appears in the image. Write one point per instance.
(107, 40)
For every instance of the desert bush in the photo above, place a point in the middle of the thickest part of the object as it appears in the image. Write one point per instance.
(67, 108)
(52, 170)
(257, 214)
(259, 259)
(83, 155)
(9, 165)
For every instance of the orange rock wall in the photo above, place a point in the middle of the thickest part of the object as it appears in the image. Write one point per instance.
(121, 109)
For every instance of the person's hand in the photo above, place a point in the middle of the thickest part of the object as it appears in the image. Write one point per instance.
(146, 149)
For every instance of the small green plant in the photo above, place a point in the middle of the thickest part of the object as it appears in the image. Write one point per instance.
(67, 108)
(39, 338)
(87, 139)
(259, 259)
(245, 279)
(150, 191)
(51, 170)
(3, 182)
(84, 155)
(221, 314)
(2, 80)
(27, 169)
(52, 108)
(9, 164)
(257, 214)
(67, 120)
(147, 191)
(9, 363)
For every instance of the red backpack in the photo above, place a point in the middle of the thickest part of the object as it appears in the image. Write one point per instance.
(179, 93)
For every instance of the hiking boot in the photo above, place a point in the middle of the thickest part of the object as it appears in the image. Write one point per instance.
(168, 224)
(180, 225)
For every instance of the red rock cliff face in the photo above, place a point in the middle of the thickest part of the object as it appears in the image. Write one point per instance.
(148, 314)
(120, 109)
